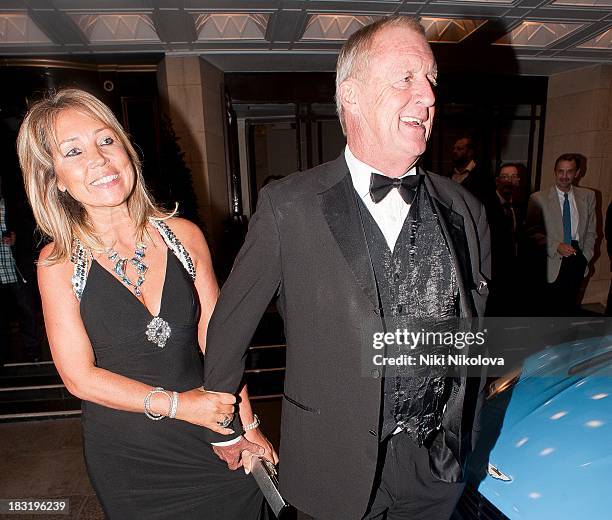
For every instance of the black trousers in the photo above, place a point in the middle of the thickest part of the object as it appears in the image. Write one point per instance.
(407, 489)
(17, 299)
(563, 292)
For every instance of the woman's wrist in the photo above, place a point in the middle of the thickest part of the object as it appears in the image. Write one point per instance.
(246, 415)
(162, 403)
(251, 425)
(159, 404)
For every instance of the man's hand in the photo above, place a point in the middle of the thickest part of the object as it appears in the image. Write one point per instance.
(233, 454)
(565, 250)
(256, 436)
(206, 408)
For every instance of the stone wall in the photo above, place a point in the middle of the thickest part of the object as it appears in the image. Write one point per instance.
(579, 119)
(190, 91)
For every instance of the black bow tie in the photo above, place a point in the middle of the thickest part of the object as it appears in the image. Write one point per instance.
(380, 186)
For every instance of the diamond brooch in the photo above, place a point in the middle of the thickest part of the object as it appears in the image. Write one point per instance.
(158, 331)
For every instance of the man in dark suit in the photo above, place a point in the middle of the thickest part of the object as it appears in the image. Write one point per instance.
(506, 219)
(471, 173)
(561, 223)
(366, 243)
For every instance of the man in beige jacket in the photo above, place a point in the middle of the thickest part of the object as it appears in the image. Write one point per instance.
(561, 223)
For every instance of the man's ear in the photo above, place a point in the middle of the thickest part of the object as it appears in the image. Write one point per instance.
(349, 96)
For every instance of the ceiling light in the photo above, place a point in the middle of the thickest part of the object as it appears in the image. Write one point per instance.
(537, 34)
(449, 30)
(231, 26)
(19, 28)
(116, 27)
(601, 41)
(334, 26)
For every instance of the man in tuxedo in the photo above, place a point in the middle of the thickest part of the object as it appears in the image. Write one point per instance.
(561, 223)
(365, 243)
(506, 218)
(470, 173)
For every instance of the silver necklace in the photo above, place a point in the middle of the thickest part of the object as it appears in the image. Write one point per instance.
(158, 330)
(120, 266)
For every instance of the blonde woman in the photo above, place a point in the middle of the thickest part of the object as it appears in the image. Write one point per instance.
(127, 293)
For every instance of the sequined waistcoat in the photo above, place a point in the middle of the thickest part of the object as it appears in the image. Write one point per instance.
(416, 283)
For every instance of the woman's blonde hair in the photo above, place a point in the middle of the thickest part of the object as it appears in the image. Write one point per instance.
(58, 215)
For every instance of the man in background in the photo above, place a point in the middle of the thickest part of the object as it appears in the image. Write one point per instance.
(561, 223)
(17, 287)
(469, 172)
(506, 219)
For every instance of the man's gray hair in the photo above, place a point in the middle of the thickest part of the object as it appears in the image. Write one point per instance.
(354, 55)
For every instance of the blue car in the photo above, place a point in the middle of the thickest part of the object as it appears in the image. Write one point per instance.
(546, 446)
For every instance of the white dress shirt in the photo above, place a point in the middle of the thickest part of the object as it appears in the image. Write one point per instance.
(390, 213)
(573, 210)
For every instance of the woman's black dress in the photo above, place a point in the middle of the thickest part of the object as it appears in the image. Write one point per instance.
(141, 468)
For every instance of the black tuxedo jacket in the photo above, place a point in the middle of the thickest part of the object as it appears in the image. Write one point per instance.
(306, 242)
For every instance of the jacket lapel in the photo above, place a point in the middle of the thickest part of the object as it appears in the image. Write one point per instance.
(555, 213)
(453, 229)
(339, 206)
(581, 207)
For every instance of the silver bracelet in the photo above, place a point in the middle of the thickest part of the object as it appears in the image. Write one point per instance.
(147, 403)
(256, 422)
(173, 405)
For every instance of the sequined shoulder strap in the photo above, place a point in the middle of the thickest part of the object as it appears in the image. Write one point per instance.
(80, 257)
(175, 246)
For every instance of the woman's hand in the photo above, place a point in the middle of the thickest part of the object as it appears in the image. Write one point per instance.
(256, 436)
(205, 408)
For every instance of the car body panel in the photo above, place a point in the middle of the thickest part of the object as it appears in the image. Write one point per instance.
(555, 442)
